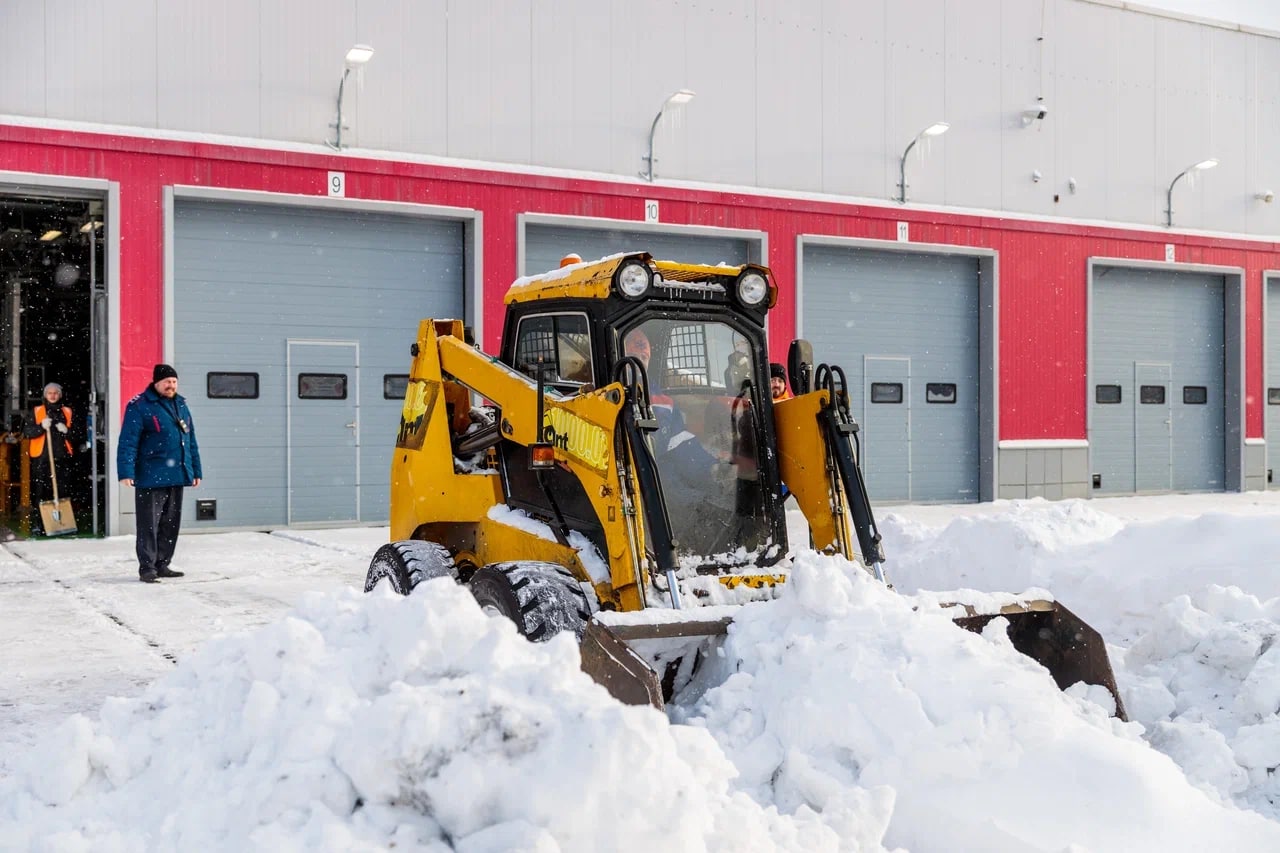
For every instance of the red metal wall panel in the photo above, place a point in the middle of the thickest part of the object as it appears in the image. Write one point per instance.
(1042, 264)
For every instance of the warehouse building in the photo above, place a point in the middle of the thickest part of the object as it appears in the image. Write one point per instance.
(1038, 237)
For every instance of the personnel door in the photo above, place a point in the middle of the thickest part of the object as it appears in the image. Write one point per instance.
(323, 431)
(886, 420)
(1153, 427)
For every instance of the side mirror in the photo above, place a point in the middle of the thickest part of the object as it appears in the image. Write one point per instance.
(800, 366)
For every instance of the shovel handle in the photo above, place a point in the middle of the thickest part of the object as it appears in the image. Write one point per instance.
(53, 471)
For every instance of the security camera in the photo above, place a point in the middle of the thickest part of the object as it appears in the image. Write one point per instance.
(1266, 197)
(1034, 113)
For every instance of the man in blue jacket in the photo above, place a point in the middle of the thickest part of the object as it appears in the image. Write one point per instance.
(158, 456)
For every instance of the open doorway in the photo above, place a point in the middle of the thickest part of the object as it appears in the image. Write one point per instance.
(52, 329)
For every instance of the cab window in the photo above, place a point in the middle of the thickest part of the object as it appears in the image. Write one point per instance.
(560, 345)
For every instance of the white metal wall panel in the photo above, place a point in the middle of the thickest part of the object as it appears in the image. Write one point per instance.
(793, 59)
(1184, 120)
(300, 67)
(101, 61)
(725, 108)
(217, 67)
(1264, 167)
(26, 86)
(1229, 139)
(1083, 81)
(1272, 401)
(249, 278)
(916, 315)
(412, 114)
(853, 98)
(807, 94)
(972, 42)
(1134, 171)
(489, 83)
(560, 79)
(1142, 319)
(545, 245)
(915, 86)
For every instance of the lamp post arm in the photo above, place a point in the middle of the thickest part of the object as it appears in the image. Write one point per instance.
(342, 84)
(1168, 198)
(902, 171)
(653, 129)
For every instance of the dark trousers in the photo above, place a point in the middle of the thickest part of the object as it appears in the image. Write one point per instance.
(159, 517)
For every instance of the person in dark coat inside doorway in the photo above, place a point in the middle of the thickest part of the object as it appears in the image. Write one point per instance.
(49, 429)
(158, 456)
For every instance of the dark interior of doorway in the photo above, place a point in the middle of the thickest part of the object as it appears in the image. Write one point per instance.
(52, 318)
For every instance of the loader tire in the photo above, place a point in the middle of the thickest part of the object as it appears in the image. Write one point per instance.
(407, 564)
(542, 599)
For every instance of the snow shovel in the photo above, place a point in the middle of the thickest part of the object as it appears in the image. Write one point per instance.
(56, 514)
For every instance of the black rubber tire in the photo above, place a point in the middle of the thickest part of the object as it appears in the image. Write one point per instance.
(408, 563)
(542, 599)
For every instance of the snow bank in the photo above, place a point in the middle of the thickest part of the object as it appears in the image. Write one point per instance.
(1206, 681)
(842, 685)
(371, 721)
(840, 716)
(1195, 654)
(1114, 575)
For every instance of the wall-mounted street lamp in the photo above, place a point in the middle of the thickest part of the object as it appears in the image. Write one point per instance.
(935, 129)
(677, 98)
(356, 57)
(1168, 196)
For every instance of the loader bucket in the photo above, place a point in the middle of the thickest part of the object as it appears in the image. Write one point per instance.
(1058, 640)
(643, 664)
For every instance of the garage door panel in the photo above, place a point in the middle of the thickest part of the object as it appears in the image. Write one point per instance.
(249, 277)
(1166, 329)
(923, 308)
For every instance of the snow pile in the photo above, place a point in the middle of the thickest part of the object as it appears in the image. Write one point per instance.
(372, 721)
(1206, 682)
(1201, 671)
(1114, 575)
(840, 716)
(842, 686)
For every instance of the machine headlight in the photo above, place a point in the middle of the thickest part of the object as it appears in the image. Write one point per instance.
(752, 288)
(634, 279)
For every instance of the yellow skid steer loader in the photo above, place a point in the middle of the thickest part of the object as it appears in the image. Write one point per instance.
(626, 455)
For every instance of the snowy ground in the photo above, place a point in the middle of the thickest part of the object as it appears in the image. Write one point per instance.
(271, 706)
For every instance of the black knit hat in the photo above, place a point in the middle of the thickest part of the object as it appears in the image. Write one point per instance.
(162, 371)
(777, 371)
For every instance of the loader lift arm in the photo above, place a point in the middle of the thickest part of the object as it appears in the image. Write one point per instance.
(841, 432)
(581, 430)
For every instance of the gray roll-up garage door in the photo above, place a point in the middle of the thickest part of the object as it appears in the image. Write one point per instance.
(1272, 424)
(311, 311)
(1157, 401)
(545, 245)
(905, 328)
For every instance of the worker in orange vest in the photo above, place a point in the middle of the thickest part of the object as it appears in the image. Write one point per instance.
(50, 419)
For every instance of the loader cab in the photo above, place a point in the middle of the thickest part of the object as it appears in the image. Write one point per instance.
(707, 366)
(708, 384)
